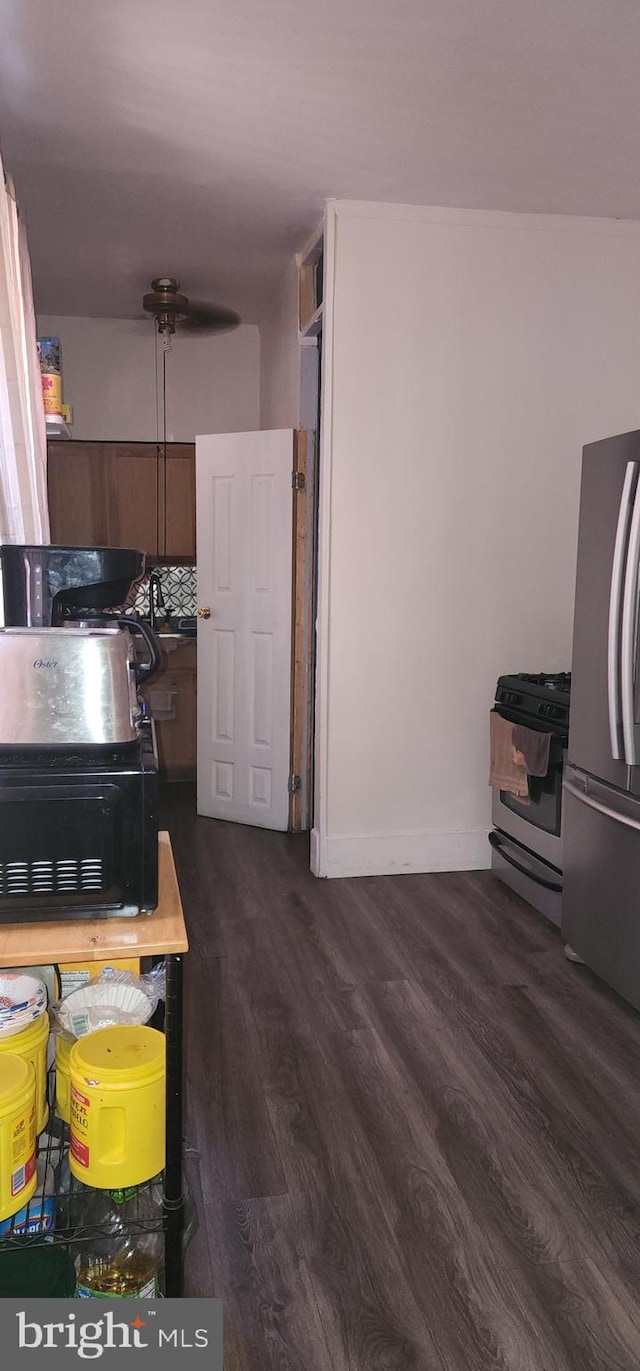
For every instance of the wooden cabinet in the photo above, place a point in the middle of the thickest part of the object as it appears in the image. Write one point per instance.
(78, 494)
(180, 531)
(113, 494)
(171, 698)
(131, 484)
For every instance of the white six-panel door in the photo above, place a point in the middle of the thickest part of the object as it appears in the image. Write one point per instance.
(244, 533)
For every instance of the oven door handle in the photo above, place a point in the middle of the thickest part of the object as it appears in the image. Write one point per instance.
(614, 668)
(497, 843)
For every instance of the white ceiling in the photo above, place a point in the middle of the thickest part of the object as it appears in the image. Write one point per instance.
(200, 138)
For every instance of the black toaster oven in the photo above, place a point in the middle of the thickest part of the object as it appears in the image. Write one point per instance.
(78, 832)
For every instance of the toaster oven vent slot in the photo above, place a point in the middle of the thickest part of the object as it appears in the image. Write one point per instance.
(68, 876)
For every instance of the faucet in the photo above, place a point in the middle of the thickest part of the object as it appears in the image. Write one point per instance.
(156, 598)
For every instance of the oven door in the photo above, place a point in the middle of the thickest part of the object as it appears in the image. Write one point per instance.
(535, 823)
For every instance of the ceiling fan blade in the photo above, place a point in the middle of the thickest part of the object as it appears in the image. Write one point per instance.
(204, 318)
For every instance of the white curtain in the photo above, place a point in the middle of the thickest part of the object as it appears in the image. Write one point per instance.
(24, 516)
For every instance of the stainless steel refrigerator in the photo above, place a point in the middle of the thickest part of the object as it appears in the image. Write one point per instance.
(601, 797)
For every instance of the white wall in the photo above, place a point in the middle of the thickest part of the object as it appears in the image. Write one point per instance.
(280, 356)
(468, 358)
(213, 383)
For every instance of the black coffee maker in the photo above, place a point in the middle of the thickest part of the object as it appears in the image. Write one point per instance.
(45, 587)
(78, 771)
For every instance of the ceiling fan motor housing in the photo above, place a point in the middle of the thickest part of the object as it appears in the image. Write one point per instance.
(166, 303)
(169, 308)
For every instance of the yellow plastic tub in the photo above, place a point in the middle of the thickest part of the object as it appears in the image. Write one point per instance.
(117, 1106)
(63, 1079)
(17, 1133)
(31, 1044)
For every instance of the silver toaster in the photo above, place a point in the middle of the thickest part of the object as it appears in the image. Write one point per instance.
(63, 687)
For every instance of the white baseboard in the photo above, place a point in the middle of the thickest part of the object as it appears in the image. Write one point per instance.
(314, 853)
(394, 854)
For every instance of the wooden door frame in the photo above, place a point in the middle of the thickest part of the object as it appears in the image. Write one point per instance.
(304, 482)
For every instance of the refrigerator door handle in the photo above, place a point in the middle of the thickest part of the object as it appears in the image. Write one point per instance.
(609, 813)
(628, 637)
(613, 639)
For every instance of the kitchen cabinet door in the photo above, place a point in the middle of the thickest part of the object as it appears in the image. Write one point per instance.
(113, 494)
(133, 488)
(177, 736)
(171, 698)
(77, 494)
(178, 534)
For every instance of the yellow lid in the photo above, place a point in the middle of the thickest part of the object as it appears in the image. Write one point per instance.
(120, 1054)
(15, 1075)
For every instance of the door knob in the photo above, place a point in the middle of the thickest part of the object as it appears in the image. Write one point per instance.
(205, 612)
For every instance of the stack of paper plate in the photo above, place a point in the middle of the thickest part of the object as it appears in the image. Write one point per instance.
(23, 999)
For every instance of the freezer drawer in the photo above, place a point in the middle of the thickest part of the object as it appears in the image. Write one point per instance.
(601, 900)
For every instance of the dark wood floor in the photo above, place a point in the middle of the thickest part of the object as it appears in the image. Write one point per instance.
(418, 1125)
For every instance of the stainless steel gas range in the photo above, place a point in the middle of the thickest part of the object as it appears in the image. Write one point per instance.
(526, 839)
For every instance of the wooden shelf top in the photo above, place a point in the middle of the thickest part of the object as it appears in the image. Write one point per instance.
(93, 940)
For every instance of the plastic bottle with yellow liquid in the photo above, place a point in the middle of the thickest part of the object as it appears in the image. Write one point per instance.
(123, 1256)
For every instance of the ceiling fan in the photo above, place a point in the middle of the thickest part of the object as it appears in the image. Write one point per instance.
(172, 310)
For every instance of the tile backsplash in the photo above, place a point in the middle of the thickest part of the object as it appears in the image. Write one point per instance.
(179, 588)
